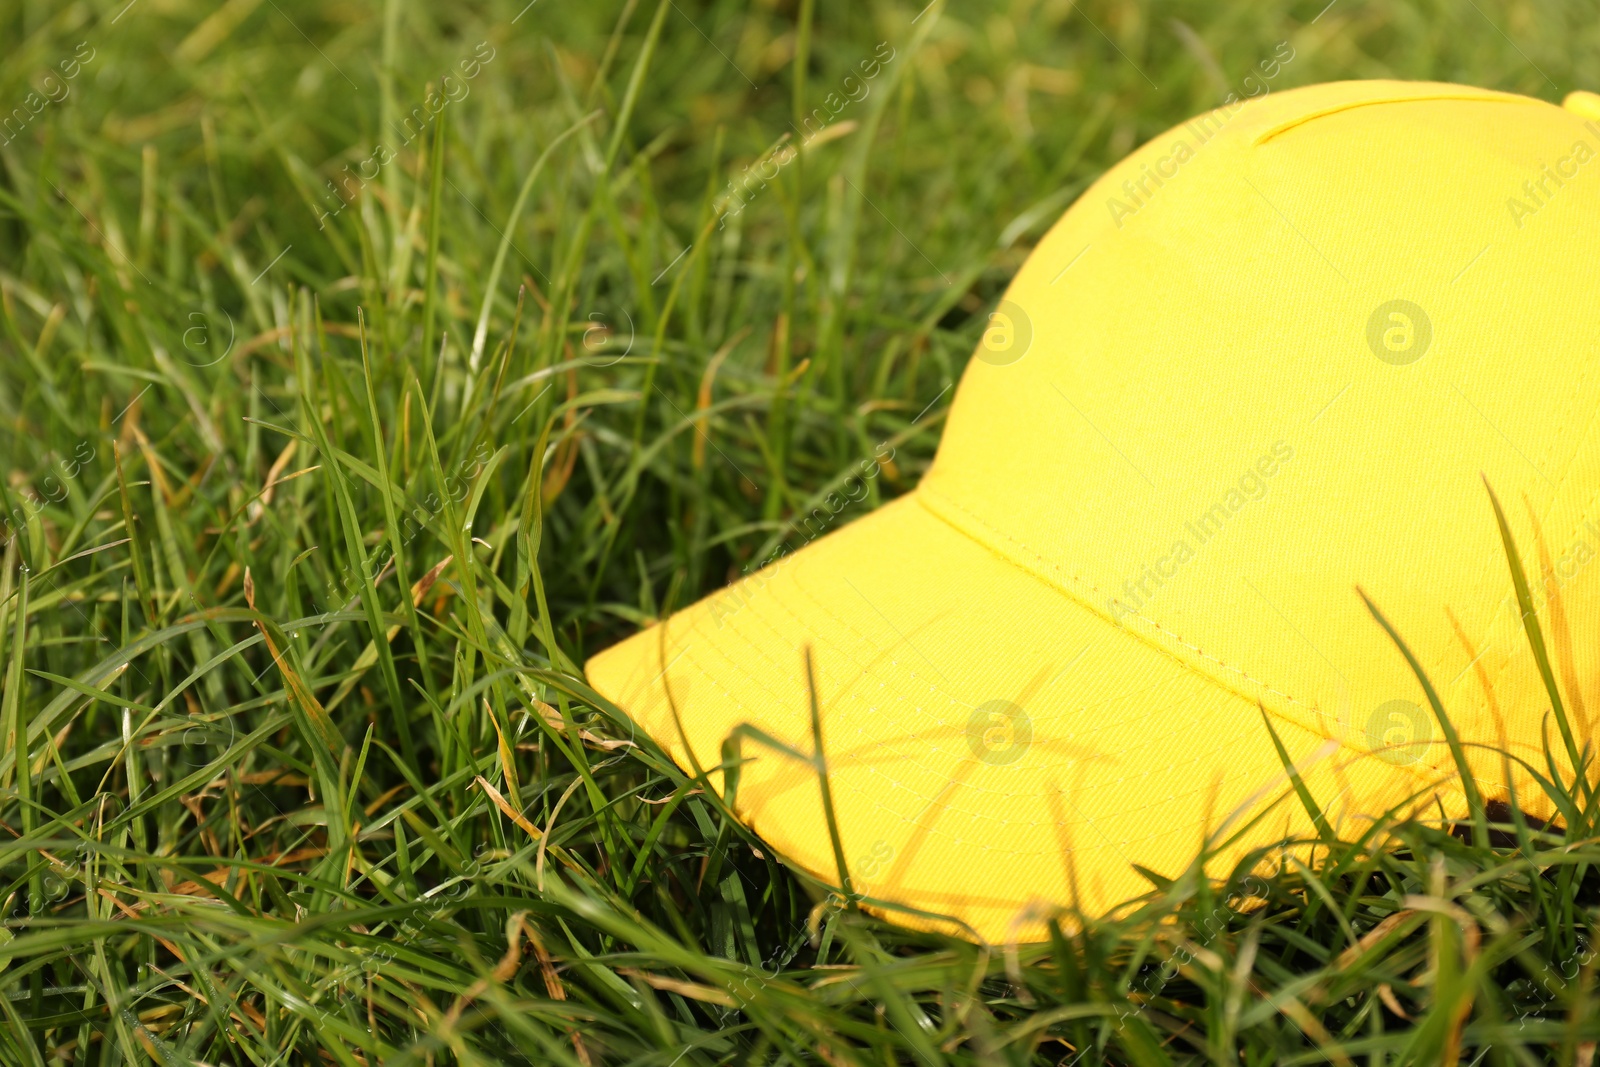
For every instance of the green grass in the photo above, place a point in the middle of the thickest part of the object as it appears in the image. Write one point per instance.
(259, 807)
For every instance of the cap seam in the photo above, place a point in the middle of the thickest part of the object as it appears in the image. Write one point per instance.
(1483, 96)
(928, 497)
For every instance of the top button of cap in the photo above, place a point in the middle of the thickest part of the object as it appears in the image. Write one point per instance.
(1584, 104)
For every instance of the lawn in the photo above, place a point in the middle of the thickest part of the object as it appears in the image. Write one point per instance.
(366, 366)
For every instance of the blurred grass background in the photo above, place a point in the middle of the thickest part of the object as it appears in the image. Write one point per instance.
(515, 307)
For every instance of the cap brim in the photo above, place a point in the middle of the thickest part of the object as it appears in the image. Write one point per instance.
(995, 748)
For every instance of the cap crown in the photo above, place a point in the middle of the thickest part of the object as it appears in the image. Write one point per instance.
(1266, 359)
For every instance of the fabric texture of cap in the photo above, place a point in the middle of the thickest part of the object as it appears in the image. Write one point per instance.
(1270, 357)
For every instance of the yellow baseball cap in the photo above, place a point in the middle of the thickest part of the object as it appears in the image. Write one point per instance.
(1268, 358)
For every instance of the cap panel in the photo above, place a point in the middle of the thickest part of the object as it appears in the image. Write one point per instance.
(1219, 426)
